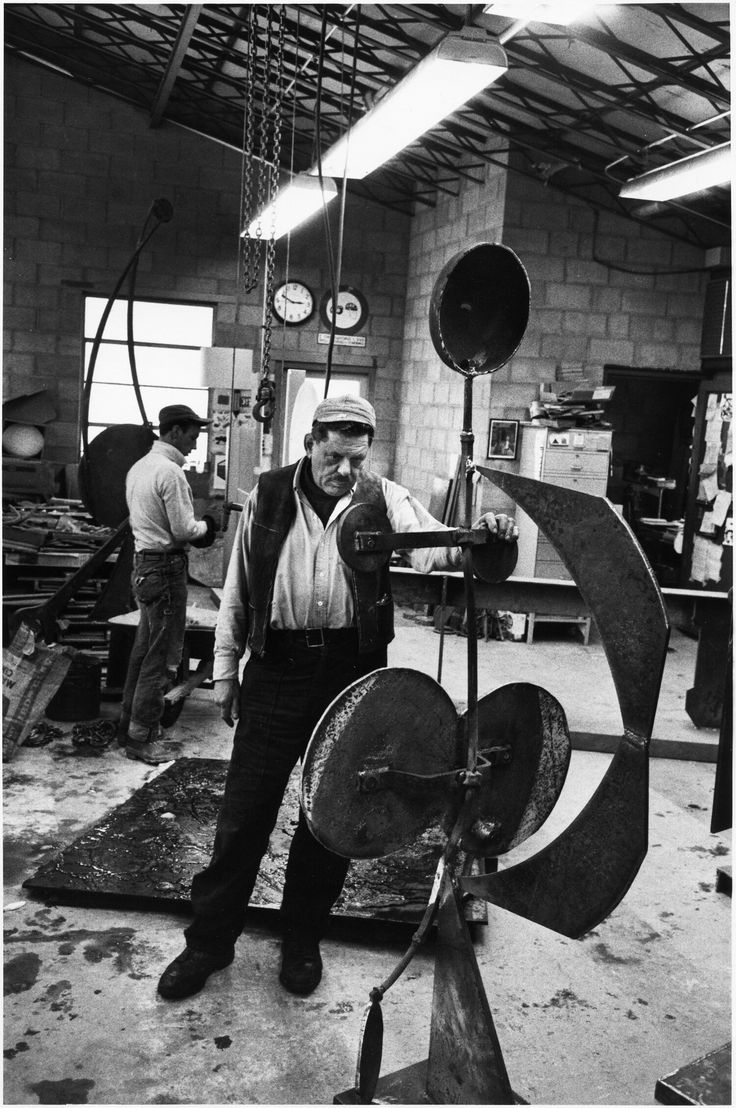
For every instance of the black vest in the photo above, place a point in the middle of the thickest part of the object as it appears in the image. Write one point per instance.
(275, 514)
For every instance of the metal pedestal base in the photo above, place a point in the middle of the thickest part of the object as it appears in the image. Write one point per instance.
(407, 1086)
(465, 1063)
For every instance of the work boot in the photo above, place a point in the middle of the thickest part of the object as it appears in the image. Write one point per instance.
(189, 971)
(154, 753)
(301, 964)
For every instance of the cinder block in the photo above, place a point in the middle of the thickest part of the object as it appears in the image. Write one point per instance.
(618, 325)
(570, 297)
(613, 350)
(606, 299)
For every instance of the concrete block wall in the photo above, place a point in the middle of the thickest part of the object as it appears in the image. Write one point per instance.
(584, 314)
(81, 170)
(595, 296)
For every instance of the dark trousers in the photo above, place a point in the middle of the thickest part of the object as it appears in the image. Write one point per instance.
(160, 589)
(282, 698)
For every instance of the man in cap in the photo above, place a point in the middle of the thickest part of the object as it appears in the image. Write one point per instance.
(161, 512)
(312, 629)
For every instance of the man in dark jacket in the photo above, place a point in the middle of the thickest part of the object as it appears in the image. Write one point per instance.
(311, 631)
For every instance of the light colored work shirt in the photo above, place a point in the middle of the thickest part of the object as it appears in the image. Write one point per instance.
(312, 584)
(160, 502)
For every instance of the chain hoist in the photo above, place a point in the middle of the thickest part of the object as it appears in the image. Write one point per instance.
(270, 135)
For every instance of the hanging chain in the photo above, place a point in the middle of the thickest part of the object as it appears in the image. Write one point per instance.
(274, 159)
(249, 248)
(270, 135)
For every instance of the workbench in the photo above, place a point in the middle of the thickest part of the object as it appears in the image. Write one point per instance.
(199, 642)
(709, 612)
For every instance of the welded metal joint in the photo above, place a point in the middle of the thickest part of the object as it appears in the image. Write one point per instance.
(641, 742)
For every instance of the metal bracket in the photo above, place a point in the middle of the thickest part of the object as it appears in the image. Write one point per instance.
(377, 778)
(373, 542)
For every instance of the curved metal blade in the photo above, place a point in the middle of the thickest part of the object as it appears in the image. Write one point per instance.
(577, 880)
(615, 579)
(370, 1050)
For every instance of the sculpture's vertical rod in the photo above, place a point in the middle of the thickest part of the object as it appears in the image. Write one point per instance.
(467, 440)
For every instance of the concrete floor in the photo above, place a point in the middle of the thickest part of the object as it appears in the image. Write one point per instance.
(593, 1021)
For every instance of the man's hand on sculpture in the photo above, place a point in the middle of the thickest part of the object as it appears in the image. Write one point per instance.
(502, 526)
(227, 699)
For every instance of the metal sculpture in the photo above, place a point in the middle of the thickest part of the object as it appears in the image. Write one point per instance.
(390, 757)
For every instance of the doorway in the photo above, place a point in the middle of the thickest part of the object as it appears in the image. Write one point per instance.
(652, 415)
(651, 412)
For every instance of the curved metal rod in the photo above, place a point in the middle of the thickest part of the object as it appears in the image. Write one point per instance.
(162, 216)
(130, 341)
(577, 880)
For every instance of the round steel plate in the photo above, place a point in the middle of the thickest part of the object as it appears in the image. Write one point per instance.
(479, 308)
(495, 560)
(391, 717)
(362, 517)
(104, 467)
(520, 794)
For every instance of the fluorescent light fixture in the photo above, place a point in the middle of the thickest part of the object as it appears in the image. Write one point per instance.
(700, 171)
(559, 14)
(292, 205)
(456, 70)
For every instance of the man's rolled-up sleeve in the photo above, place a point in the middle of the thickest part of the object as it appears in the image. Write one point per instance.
(231, 630)
(405, 513)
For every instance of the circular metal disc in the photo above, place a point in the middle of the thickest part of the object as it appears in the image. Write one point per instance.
(362, 517)
(520, 794)
(104, 467)
(392, 717)
(494, 561)
(479, 308)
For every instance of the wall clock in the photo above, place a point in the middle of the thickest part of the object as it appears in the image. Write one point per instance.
(352, 310)
(293, 302)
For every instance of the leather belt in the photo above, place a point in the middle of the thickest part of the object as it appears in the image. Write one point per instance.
(160, 553)
(312, 637)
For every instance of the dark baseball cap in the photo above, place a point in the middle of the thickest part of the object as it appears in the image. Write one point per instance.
(180, 413)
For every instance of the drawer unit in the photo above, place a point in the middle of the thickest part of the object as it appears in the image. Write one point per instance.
(573, 459)
(585, 463)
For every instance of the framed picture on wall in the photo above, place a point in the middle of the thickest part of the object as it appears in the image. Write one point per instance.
(503, 438)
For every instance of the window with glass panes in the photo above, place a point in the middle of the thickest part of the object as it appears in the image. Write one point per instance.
(167, 338)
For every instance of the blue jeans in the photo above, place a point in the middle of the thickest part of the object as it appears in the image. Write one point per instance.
(282, 698)
(160, 590)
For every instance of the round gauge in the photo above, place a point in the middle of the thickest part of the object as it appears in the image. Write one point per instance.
(352, 310)
(293, 302)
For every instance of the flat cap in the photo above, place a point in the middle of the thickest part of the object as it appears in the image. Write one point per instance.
(345, 409)
(180, 413)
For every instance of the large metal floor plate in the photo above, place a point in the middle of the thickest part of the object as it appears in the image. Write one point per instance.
(145, 852)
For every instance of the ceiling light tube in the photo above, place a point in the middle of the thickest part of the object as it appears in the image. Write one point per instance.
(561, 13)
(292, 205)
(458, 68)
(699, 171)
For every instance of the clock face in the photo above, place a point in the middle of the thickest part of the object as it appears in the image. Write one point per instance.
(293, 302)
(352, 310)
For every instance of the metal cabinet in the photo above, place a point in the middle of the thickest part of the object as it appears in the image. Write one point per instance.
(574, 458)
